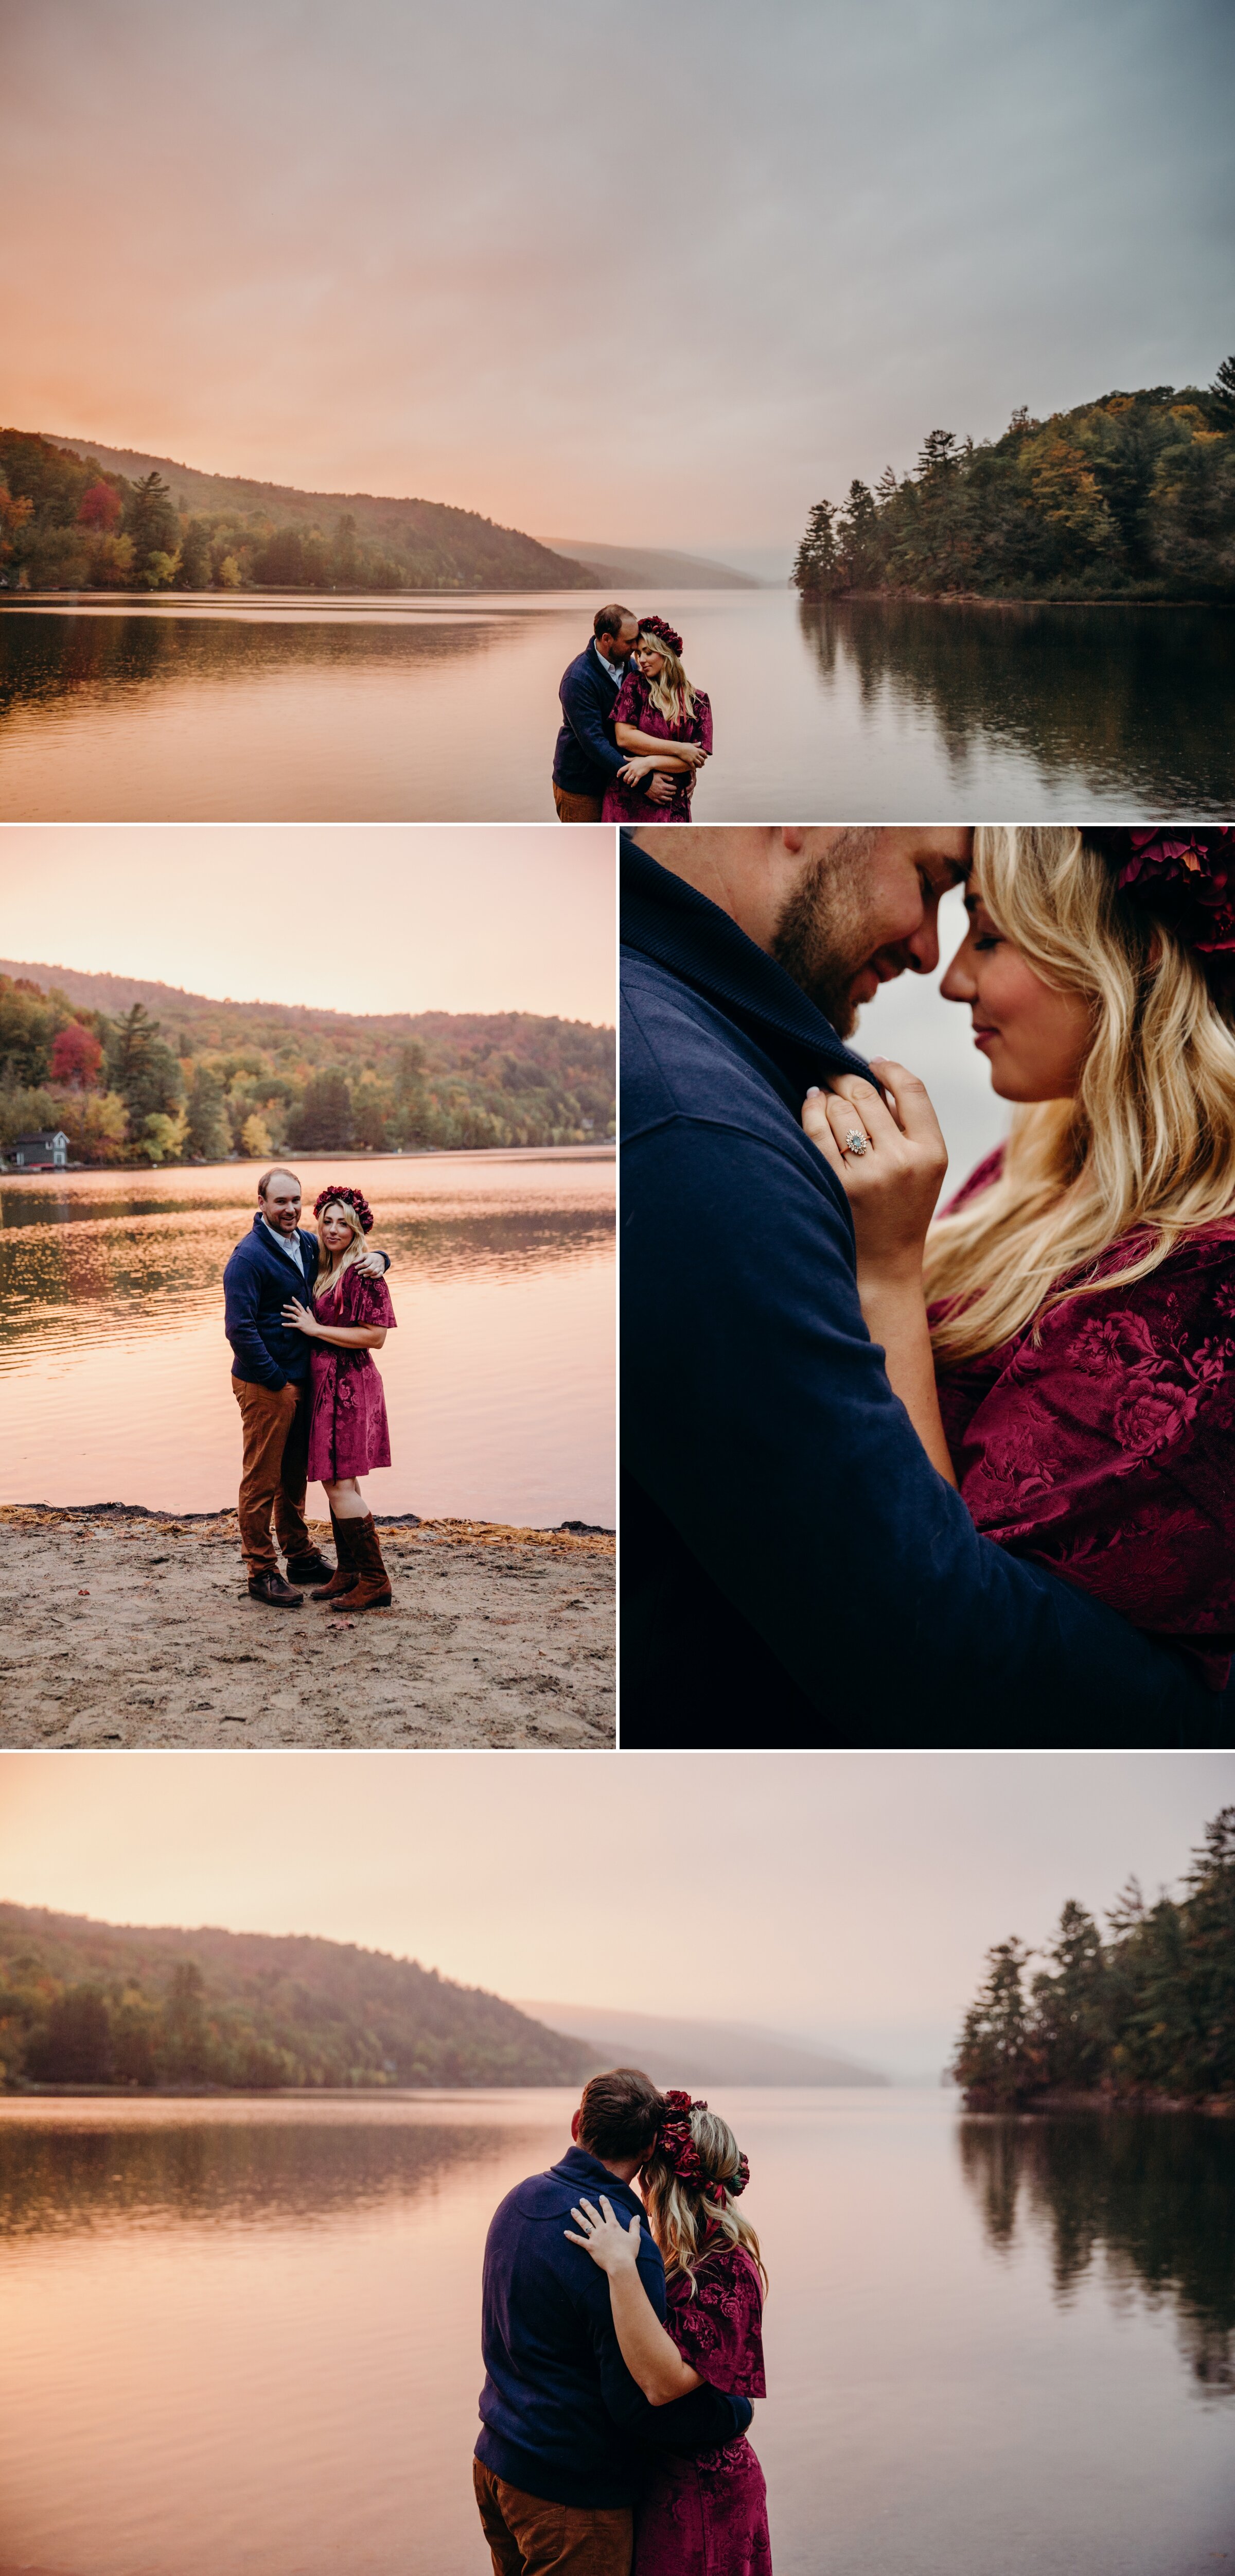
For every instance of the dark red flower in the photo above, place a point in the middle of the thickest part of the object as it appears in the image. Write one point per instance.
(1183, 874)
(666, 634)
(354, 1199)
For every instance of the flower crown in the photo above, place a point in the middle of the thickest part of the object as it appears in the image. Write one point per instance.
(1185, 876)
(675, 2142)
(353, 1198)
(667, 634)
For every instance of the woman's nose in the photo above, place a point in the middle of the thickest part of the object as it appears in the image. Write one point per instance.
(958, 984)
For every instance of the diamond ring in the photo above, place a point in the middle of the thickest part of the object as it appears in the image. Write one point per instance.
(856, 1142)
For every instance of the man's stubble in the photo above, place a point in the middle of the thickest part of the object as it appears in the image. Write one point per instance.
(826, 930)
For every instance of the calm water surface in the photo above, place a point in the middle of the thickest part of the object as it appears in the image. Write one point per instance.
(440, 708)
(241, 2337)
(115, 1376)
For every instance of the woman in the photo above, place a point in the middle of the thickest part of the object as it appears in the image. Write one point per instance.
(1073, 1373)
(350, 1316)
(705, 2516)
(657, 707)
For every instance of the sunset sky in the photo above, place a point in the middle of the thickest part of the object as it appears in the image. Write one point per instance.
(847, 1897)
(385, 917)
(644, 275)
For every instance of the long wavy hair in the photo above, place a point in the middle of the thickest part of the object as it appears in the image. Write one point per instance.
(670, 691)
(685, 2224)
(1145, 1152)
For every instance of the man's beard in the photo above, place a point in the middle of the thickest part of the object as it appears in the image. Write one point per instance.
(826, 931)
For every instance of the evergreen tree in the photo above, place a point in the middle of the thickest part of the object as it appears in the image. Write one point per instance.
(142, 1068)
(150, 520)
(995, 2057)
(1222, 391)
(323, 1121)
(815, 569)
(208, 1133)
(1071, 2005)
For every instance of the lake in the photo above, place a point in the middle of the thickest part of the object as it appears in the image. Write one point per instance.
(443, 708)
(241, 2335)
(115, 1376)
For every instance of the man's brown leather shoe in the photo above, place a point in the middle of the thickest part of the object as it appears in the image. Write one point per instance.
(272, 1588)
(309, 1569)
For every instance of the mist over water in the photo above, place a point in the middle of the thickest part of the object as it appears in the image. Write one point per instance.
(443, 707)
(244, 2333)
(116, 1376)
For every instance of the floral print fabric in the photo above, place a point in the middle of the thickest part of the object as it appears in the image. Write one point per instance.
(348, 1431)
(633, 706)
(709, 2516)
(1107, 1452)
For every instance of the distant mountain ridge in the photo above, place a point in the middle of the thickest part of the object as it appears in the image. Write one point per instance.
(656, 566)
(89, 2002)
(103, 992)
(674, 2051)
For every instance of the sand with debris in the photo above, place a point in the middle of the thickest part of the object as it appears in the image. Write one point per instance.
(126, 1628)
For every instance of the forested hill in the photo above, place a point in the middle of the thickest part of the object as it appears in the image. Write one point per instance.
(76, 515)
(1129, 497)
(98, 2003)
(1146, 2012)
(191, 1079)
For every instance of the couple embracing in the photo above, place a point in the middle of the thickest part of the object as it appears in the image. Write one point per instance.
(893, 1477)
(635, 730)
(620, 2365)
(304, 1313)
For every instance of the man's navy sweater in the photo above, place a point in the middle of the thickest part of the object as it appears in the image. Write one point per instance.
(257, 1283)
(561, 2416)
(587, 760)
(794, 1570)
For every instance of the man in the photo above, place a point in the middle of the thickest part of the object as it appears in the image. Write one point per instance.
(587, 759)
(565, 2432)
(275, 1261)
(794, 1570)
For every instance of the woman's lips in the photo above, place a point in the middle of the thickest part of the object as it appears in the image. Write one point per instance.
(984, 1037)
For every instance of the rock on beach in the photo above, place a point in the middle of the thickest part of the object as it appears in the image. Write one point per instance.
(128, 1628)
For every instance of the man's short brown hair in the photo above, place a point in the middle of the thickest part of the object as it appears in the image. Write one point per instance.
(277, 1172)
(620, 2113)
(611, 620)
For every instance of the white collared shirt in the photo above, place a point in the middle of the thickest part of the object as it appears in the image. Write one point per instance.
(288, 1243)
(610, 670)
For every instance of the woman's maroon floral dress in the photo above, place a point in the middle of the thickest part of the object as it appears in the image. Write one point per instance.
(348, 1431)
(633, 706)
(709, 2516)
(1108, 1451)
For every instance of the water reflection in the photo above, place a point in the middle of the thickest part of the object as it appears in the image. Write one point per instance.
(499, 1378)
(1150, 2199)
(444, 707)
(62, 2179)
(1128, 700)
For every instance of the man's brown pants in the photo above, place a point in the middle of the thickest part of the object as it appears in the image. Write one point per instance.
(529, 2537)
(576, 809)
(275, 1423)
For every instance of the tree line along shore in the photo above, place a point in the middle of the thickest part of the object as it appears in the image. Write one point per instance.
(205, 1081)
(69, 521)
(1130, 497)
(119, 2007)
(1143, 2017)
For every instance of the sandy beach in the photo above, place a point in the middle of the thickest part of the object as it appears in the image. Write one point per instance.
(128, 1628)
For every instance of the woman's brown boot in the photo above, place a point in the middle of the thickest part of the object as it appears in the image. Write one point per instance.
(345, 1576)
(372, 1592)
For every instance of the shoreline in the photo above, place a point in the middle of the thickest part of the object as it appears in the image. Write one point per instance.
(1101, 2102)
(134, 1627)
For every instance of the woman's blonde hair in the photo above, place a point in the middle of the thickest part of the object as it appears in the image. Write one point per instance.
(1144, 1153)
(684, 2222)
(328, 1277)
(670, 691)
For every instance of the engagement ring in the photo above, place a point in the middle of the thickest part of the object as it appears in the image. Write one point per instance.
(856, 1142)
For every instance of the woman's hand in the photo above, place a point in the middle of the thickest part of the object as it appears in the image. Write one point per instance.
(298, 1318)
(890, 1159)
(614, 2247)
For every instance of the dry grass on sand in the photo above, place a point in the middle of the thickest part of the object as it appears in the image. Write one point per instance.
(129, 1628)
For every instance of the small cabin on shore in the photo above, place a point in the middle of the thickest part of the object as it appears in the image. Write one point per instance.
(46, 1152)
